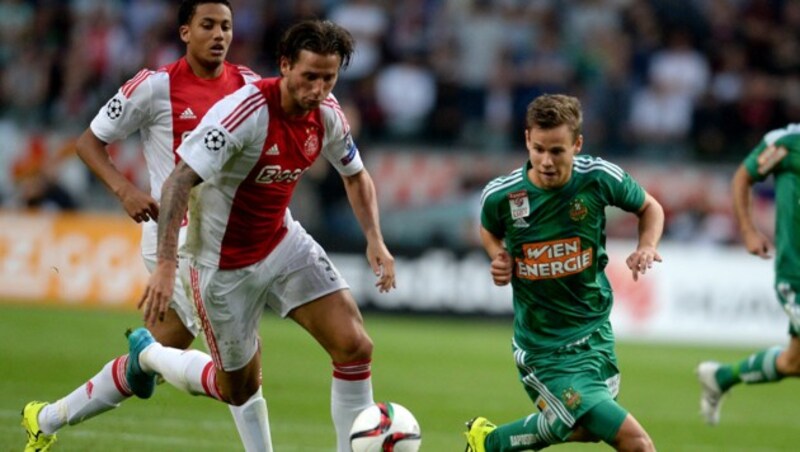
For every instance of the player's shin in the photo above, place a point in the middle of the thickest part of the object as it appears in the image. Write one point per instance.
(351, 392)
(252, 422)
(530, 433)
(191, 371)
(101, 393)
(759, 367)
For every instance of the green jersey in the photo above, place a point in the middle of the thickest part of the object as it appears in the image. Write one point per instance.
(556, 239)
(786, 169)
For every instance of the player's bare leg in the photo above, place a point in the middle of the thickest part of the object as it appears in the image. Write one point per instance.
(632, 437)
(171, 332)
(336, 323)
(788, 362)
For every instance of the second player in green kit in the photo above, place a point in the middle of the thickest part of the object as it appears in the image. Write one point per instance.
(777, 154)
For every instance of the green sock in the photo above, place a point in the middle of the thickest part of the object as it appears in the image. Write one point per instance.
(759, 367)
(529, 433)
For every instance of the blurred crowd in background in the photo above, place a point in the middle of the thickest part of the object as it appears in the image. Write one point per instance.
(689, 82)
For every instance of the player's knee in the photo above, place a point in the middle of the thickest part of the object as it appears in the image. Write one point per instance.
(349, 344)
(357, 347)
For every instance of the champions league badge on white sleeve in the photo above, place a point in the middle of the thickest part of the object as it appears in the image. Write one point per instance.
(520, 207)
(114, 108)
(214, 140)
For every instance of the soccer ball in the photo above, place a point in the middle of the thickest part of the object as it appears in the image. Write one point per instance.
(385, 427)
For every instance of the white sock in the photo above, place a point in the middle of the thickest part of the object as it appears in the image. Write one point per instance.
(252, 421)
(351, 392)
(101, 393)
(191, 371)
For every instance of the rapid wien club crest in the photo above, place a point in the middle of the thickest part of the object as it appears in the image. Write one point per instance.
(577, 209)
(571, 398)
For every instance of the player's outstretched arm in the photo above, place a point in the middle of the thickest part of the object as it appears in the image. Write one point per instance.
(139, 205)
(364, 200)
(501, 267)
(651, 226)
(754, 240)
(175, 199)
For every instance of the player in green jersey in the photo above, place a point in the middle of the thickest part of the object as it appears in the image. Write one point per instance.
(777, 154)
(543, 227)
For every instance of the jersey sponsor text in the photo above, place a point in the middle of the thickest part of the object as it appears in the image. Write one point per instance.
(274, 173)
(553, 259)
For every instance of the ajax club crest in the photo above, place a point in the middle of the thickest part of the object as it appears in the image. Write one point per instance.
(311, 146)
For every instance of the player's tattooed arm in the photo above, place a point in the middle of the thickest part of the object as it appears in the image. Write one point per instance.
(174, 202)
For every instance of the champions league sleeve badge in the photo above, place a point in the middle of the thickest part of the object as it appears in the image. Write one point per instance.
(114, 108)
(520, 205)
(214, 140)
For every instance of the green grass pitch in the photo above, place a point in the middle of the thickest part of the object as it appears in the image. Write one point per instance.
(445, 370)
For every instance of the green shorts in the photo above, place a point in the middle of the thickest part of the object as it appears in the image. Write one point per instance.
(567, 384)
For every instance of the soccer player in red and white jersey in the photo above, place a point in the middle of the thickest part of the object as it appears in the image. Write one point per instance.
(164, 106)
(245, 252)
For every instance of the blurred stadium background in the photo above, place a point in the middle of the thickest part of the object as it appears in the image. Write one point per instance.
(676, 91)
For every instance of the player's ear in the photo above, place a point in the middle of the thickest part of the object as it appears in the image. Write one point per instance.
(284, 65)
(578, 144)
(183, 31)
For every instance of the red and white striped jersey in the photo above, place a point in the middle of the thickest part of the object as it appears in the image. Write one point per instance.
(164, 106)
(250, 155)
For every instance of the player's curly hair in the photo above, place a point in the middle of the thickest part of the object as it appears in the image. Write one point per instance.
(188, 7)
(549, 111)
(322, 37)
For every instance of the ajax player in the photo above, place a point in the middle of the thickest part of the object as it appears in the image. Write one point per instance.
(164, 106)
(246, 253)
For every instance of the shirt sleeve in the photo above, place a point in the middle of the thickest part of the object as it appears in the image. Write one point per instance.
(237, 122)
(751, 162)
(339, 147)
(491, 217)
(128, 111)
(621, 189)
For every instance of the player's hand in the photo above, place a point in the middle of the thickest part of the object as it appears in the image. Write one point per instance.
(501, 268)
(139, 205)
(642, 259)
(757, 244)
(382, 263)
(158, 293)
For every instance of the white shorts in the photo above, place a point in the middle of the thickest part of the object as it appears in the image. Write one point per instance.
(181, 298)
(230, 303)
